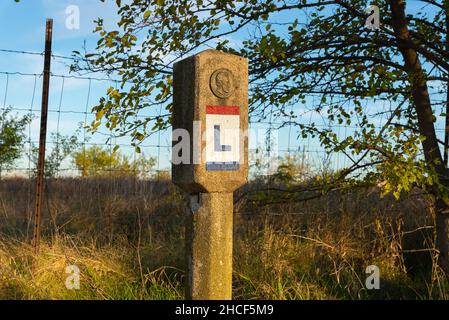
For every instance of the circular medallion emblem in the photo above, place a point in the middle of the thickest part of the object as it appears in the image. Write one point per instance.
(222, 83)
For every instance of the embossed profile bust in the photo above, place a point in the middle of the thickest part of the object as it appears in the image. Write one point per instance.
(222, 83)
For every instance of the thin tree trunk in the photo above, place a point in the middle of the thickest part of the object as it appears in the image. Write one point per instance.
(432, 153)
(446, 126)
(442, 233)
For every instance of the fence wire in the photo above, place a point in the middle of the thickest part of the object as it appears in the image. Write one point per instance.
(140, 179)
(73, 96)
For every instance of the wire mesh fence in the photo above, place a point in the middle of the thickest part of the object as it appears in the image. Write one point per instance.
(72, 97)
(89, 180)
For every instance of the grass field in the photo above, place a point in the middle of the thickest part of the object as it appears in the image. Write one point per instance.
(127, 238)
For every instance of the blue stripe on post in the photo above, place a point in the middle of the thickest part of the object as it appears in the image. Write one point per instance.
(222, 166)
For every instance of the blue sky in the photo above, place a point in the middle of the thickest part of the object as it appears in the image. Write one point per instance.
(22, 27)
(27, 19)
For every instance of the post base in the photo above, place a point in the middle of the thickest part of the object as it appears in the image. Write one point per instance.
(209, 232)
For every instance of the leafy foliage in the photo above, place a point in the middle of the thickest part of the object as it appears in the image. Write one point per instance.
(64, 146)
(315, 55)
(97, 161)
(12, 137)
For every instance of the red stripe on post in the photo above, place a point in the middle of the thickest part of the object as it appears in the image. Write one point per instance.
(223, 110)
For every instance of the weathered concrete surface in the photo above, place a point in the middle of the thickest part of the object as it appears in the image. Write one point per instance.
(192, 93)
(211, 87)
(209, 247)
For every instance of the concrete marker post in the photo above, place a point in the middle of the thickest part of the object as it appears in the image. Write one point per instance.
(210, 107)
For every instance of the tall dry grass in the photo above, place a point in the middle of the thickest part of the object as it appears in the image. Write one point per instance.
(127, 238)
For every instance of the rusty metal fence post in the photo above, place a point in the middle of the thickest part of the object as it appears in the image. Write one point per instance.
(42, 137)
